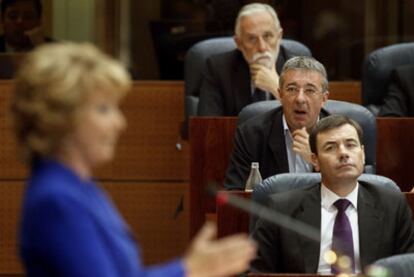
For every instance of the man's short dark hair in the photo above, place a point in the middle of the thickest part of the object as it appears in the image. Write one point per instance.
(329, 123)
(6, 3)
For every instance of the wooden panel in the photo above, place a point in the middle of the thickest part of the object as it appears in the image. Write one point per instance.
(146, 151)
(211, 145)
(231, 220)
(149, 209)
(11, 167)
(395, 152)
(10, 201)
(345, 91)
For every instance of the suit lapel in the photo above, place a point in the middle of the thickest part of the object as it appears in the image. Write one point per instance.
(310, 214)
(277, 143)
(281, 59)
(370, 220)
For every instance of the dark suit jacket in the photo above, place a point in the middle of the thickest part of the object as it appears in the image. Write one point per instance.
(400, 98)
(259, 139)
(385, 229)
(226, 89)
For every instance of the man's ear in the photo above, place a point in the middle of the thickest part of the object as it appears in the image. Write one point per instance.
(237, 40)
(278, 94)
(325, 97)
(315, 162)
(363, 153)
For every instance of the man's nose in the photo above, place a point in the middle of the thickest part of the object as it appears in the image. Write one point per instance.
(262, 45)
(300, 96)
(343, 152)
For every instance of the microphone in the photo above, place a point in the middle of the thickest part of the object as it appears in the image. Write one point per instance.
(272, 216)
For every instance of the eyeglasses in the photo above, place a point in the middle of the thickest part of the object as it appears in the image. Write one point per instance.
(308, 91)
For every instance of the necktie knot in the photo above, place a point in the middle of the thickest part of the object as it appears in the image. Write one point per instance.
(342, 205)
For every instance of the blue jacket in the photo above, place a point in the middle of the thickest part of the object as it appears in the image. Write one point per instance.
(70, 228)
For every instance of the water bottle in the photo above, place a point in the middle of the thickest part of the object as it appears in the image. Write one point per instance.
(254, 177)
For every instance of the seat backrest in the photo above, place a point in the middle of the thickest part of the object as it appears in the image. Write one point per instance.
(376, 71)
(357, 112)
(290, 181)
(399, 265)
(196, 58)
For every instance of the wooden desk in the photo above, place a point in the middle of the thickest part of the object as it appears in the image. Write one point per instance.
(395, 151)
(231, 220)
(211, 143)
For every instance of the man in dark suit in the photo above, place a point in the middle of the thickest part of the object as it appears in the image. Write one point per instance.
(399, 101)
(237, 78)
(278, 139)
(375, 222)
(21, 21)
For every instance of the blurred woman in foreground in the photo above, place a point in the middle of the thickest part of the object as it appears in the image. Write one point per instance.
(67, 122)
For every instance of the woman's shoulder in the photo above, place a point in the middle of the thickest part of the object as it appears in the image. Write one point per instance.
(52, 183)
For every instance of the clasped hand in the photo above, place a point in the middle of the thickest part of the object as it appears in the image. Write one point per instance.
(265, 78)
(301, 144)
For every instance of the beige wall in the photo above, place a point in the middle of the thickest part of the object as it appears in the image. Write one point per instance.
(73, 20)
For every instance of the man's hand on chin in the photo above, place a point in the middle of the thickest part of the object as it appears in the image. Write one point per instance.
(301, 144)
(264, 78)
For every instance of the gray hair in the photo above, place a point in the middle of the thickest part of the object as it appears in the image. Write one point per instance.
(304, 63)
(253, 8)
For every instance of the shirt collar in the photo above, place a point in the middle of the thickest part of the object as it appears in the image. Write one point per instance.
(329, 197)
(285, 125)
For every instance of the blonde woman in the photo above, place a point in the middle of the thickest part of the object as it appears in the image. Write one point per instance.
(67, 122)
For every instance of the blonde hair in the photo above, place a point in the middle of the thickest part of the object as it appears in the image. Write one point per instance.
(254, 8)
(51, 85)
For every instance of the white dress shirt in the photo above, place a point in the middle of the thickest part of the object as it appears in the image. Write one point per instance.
(328, 214)
(295, 161)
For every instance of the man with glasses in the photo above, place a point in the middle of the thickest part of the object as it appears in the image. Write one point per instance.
(248, 74)
(21, 21)
(278, 139)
